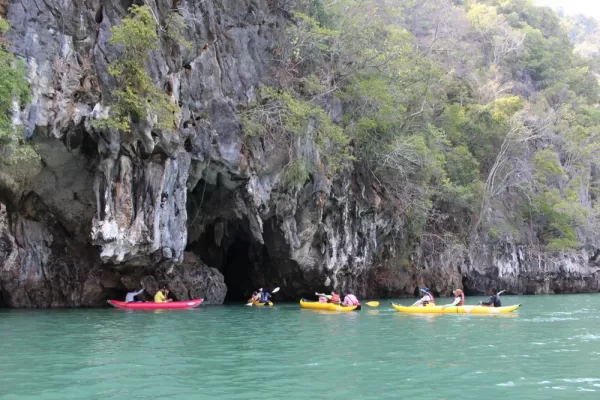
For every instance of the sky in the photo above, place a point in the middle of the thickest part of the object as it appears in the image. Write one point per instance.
(590, 8)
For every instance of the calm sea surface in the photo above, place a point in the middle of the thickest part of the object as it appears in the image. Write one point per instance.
(549, 350)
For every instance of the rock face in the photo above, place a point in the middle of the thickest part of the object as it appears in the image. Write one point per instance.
(521, 269)
(40, 266)
(201, 208)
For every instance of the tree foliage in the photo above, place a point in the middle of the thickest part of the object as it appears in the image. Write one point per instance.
(138, 97)
(14, 91)
(474, 117)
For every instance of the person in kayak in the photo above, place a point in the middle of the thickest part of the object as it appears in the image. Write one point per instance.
(350, 300)
(459, 298)
(255, 296)
(130, 297)
(335, 298)
(426, 299)
(264, 296)
(161, 296)
(493, 300)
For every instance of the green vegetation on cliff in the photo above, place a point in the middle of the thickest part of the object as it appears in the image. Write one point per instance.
(139, 97)
(14, 91)
(472, 117)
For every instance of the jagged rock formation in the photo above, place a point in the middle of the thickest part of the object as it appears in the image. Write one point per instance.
(200, 207)
(41, 266)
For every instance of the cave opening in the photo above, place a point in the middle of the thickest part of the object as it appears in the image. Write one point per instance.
(237, 271)
(221, 236)
(244, 262)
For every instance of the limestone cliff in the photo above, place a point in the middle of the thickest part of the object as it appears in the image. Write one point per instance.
(200, 207)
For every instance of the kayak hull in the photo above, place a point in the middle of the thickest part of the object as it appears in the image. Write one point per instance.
(172, 305)
(259, 304)
(455, 309)
(315, 305)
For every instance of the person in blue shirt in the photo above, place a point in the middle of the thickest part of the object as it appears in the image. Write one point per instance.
(264, 296)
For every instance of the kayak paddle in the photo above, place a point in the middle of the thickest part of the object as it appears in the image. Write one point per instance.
(372, 303)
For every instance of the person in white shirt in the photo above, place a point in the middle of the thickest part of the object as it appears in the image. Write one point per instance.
(426, 299)
(130, 298)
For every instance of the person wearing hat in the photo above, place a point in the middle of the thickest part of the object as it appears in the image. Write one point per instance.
(426, 300)
(459, 298)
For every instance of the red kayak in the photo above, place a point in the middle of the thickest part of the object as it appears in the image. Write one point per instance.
(172, 305)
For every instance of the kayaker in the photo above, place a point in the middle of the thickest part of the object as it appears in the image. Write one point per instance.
(323, 299)
(161, 296)
(130, 297)
(335, 298)
(350, 300)
(459, 298)
(255, 296)
(264, 296)
(426, 299)
(493, 300)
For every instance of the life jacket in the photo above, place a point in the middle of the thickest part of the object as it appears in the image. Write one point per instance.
(462, 299)
(335, 298)
(431, 299)
(322, 299)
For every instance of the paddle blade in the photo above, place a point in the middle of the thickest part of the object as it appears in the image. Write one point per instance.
(275, 290)
(249, 304)
(372, 303)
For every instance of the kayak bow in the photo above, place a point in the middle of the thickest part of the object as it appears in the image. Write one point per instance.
(172, 305)
(455, 309)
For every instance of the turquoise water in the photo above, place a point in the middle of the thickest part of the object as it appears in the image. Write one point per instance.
(549, 350)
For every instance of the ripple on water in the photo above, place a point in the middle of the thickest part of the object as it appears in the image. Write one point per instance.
(580, 311)
(582, 380)
(509, 383)
(585, 338)
(550, 319)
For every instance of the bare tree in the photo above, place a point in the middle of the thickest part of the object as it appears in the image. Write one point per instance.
(511, 168)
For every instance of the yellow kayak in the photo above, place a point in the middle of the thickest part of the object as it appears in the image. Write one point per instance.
(259, 304)
(455, 309)
(315, 305)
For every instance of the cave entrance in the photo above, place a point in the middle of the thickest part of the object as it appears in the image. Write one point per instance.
(229, 247)
(221, 237)
(238, 270)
